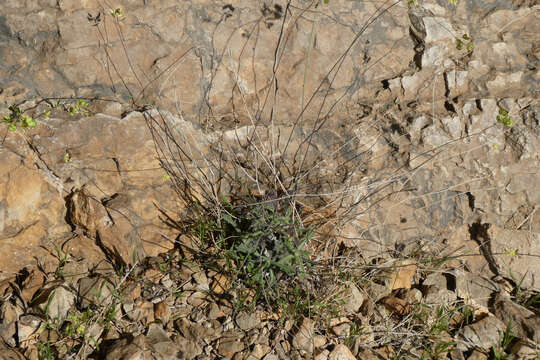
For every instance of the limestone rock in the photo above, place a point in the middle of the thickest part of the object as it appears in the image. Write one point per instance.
(194, 332)
(474, 289)
(247, 321)
(323, 355)
(483, 334)
(31, 212)
(402, 277)
(525, 323)
(438, 29)
(8, 323)
(353, 299)
(303, 340)
(58, 303)
(341, 352)
(27, 326)
(162, 312)
(128, 350)
(188, 349)
(259, 351)
(512, 250)
(95, 290)
(7, 353)
(161, 345)
(229, 347)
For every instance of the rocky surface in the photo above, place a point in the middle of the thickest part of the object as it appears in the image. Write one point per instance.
(217, 55)
(163, 322)
(447, 215)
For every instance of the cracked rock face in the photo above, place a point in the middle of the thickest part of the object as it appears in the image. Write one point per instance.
(203, 58)
(413, 110)
(202, 53)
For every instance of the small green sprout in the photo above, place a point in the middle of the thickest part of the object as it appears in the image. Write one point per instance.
(505, 340)
(117, 14)
(504, 118)
(79, 108)
(76, 324)
(466, 42)
(45, 351)
(17, 119)
(110, 314)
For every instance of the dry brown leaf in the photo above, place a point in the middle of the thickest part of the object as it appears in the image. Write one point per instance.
(396, 305)
(403, 274)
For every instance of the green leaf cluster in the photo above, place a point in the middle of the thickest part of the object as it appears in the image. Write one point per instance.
(505, 340)
(79, 108)
(18, 120)
(263, 245)
(504, 118)
(117, 13)
(465, 42)
(76, 324)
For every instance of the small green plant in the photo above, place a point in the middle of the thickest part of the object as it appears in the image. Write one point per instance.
(354, 331)
(465, 42)
(505, 340)
(439, 340)
(77, 327)
(45, 351)
(79, 108)
(18, 120)
(262, 245)
(397, 356)
(77, 324)
(442, 320)
(67, 157)
(164, 267)
(117, 13)
(522, 296)
(110, 315)
(438, 349)
(266, 246)
(439, 326)
(504, 118)
(62, 261)
(518, 291)
(533, 302)
(468, 315)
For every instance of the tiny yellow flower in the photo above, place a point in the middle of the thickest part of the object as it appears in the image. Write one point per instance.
(512, 252)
